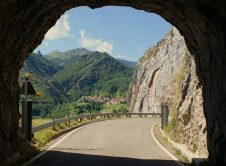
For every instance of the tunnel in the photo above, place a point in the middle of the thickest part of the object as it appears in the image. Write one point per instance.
(24, 23)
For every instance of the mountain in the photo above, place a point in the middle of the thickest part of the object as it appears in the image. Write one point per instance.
(68, 57)
(94, 74)
(166, 75)
(127, 63)
(66, 76)
(38, 65)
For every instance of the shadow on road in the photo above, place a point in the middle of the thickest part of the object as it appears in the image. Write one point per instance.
(56, 158)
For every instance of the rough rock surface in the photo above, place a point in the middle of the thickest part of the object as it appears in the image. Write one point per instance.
(24, 23)
(166, 74)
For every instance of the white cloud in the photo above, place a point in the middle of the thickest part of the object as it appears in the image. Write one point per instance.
(60, 30)
(95, 44)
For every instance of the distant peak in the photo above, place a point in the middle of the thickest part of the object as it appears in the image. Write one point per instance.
(126, 60)
(83, 49)
(55, 51)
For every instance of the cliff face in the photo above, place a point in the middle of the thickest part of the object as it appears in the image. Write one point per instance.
(166, 74)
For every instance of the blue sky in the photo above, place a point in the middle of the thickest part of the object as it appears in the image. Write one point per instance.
(123, 32)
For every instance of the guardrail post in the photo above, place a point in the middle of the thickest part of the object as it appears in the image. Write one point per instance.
(164, 116)
(54, 127)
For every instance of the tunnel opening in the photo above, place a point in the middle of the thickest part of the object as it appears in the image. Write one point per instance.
(64, 50)
(199, 22)
(39, 65)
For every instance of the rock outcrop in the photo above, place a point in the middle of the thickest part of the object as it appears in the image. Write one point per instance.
(166, 74)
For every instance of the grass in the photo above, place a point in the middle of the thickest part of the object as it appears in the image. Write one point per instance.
(38, 121)
(193, 149)
(164, 141)
(175, 128)
(42, 137)
(178, 152)
(115, 108)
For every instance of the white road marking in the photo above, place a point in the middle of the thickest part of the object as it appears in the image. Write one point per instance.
(163, 148)
(50, 148)
(73, 131)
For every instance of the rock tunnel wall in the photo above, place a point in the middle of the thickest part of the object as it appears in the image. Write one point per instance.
(23, 24)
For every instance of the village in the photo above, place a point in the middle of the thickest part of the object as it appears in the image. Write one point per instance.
(102, 100)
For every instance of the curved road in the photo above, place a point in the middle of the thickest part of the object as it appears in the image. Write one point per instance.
(121, 142)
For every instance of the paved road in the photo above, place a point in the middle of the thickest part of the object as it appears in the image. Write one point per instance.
(121, 142)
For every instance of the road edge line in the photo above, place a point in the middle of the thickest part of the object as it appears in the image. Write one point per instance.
(51, 147)
(163, 148)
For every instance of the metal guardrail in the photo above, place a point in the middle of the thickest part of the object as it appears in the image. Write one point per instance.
(89, 116)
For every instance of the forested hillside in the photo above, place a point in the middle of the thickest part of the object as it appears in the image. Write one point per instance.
(63, 77)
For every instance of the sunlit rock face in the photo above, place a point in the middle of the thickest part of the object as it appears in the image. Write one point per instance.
(23, 25)
(166, 74)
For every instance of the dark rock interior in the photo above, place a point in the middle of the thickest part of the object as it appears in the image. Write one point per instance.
(24, 23)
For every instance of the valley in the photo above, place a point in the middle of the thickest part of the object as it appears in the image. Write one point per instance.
(62, 78)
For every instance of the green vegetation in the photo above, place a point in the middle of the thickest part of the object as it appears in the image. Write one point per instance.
(174, 128)
(178, 152)
(41, 71)
(95, 74)
(43, 136)
(63, 77)
(38, 121)
(165, 142)
(74, 108)
(115, 108)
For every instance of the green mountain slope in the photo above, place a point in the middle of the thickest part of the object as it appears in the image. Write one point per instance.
(39, 65)
(95, 74)
(41, 71)
(66, 76)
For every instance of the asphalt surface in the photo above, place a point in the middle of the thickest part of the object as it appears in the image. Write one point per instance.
(121, 142)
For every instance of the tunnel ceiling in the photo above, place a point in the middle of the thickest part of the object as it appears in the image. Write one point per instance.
(23, 24)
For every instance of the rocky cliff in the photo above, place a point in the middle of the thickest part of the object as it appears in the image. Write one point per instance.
(166, 74)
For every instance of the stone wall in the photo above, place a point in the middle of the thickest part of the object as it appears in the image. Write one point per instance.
(166, 74)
